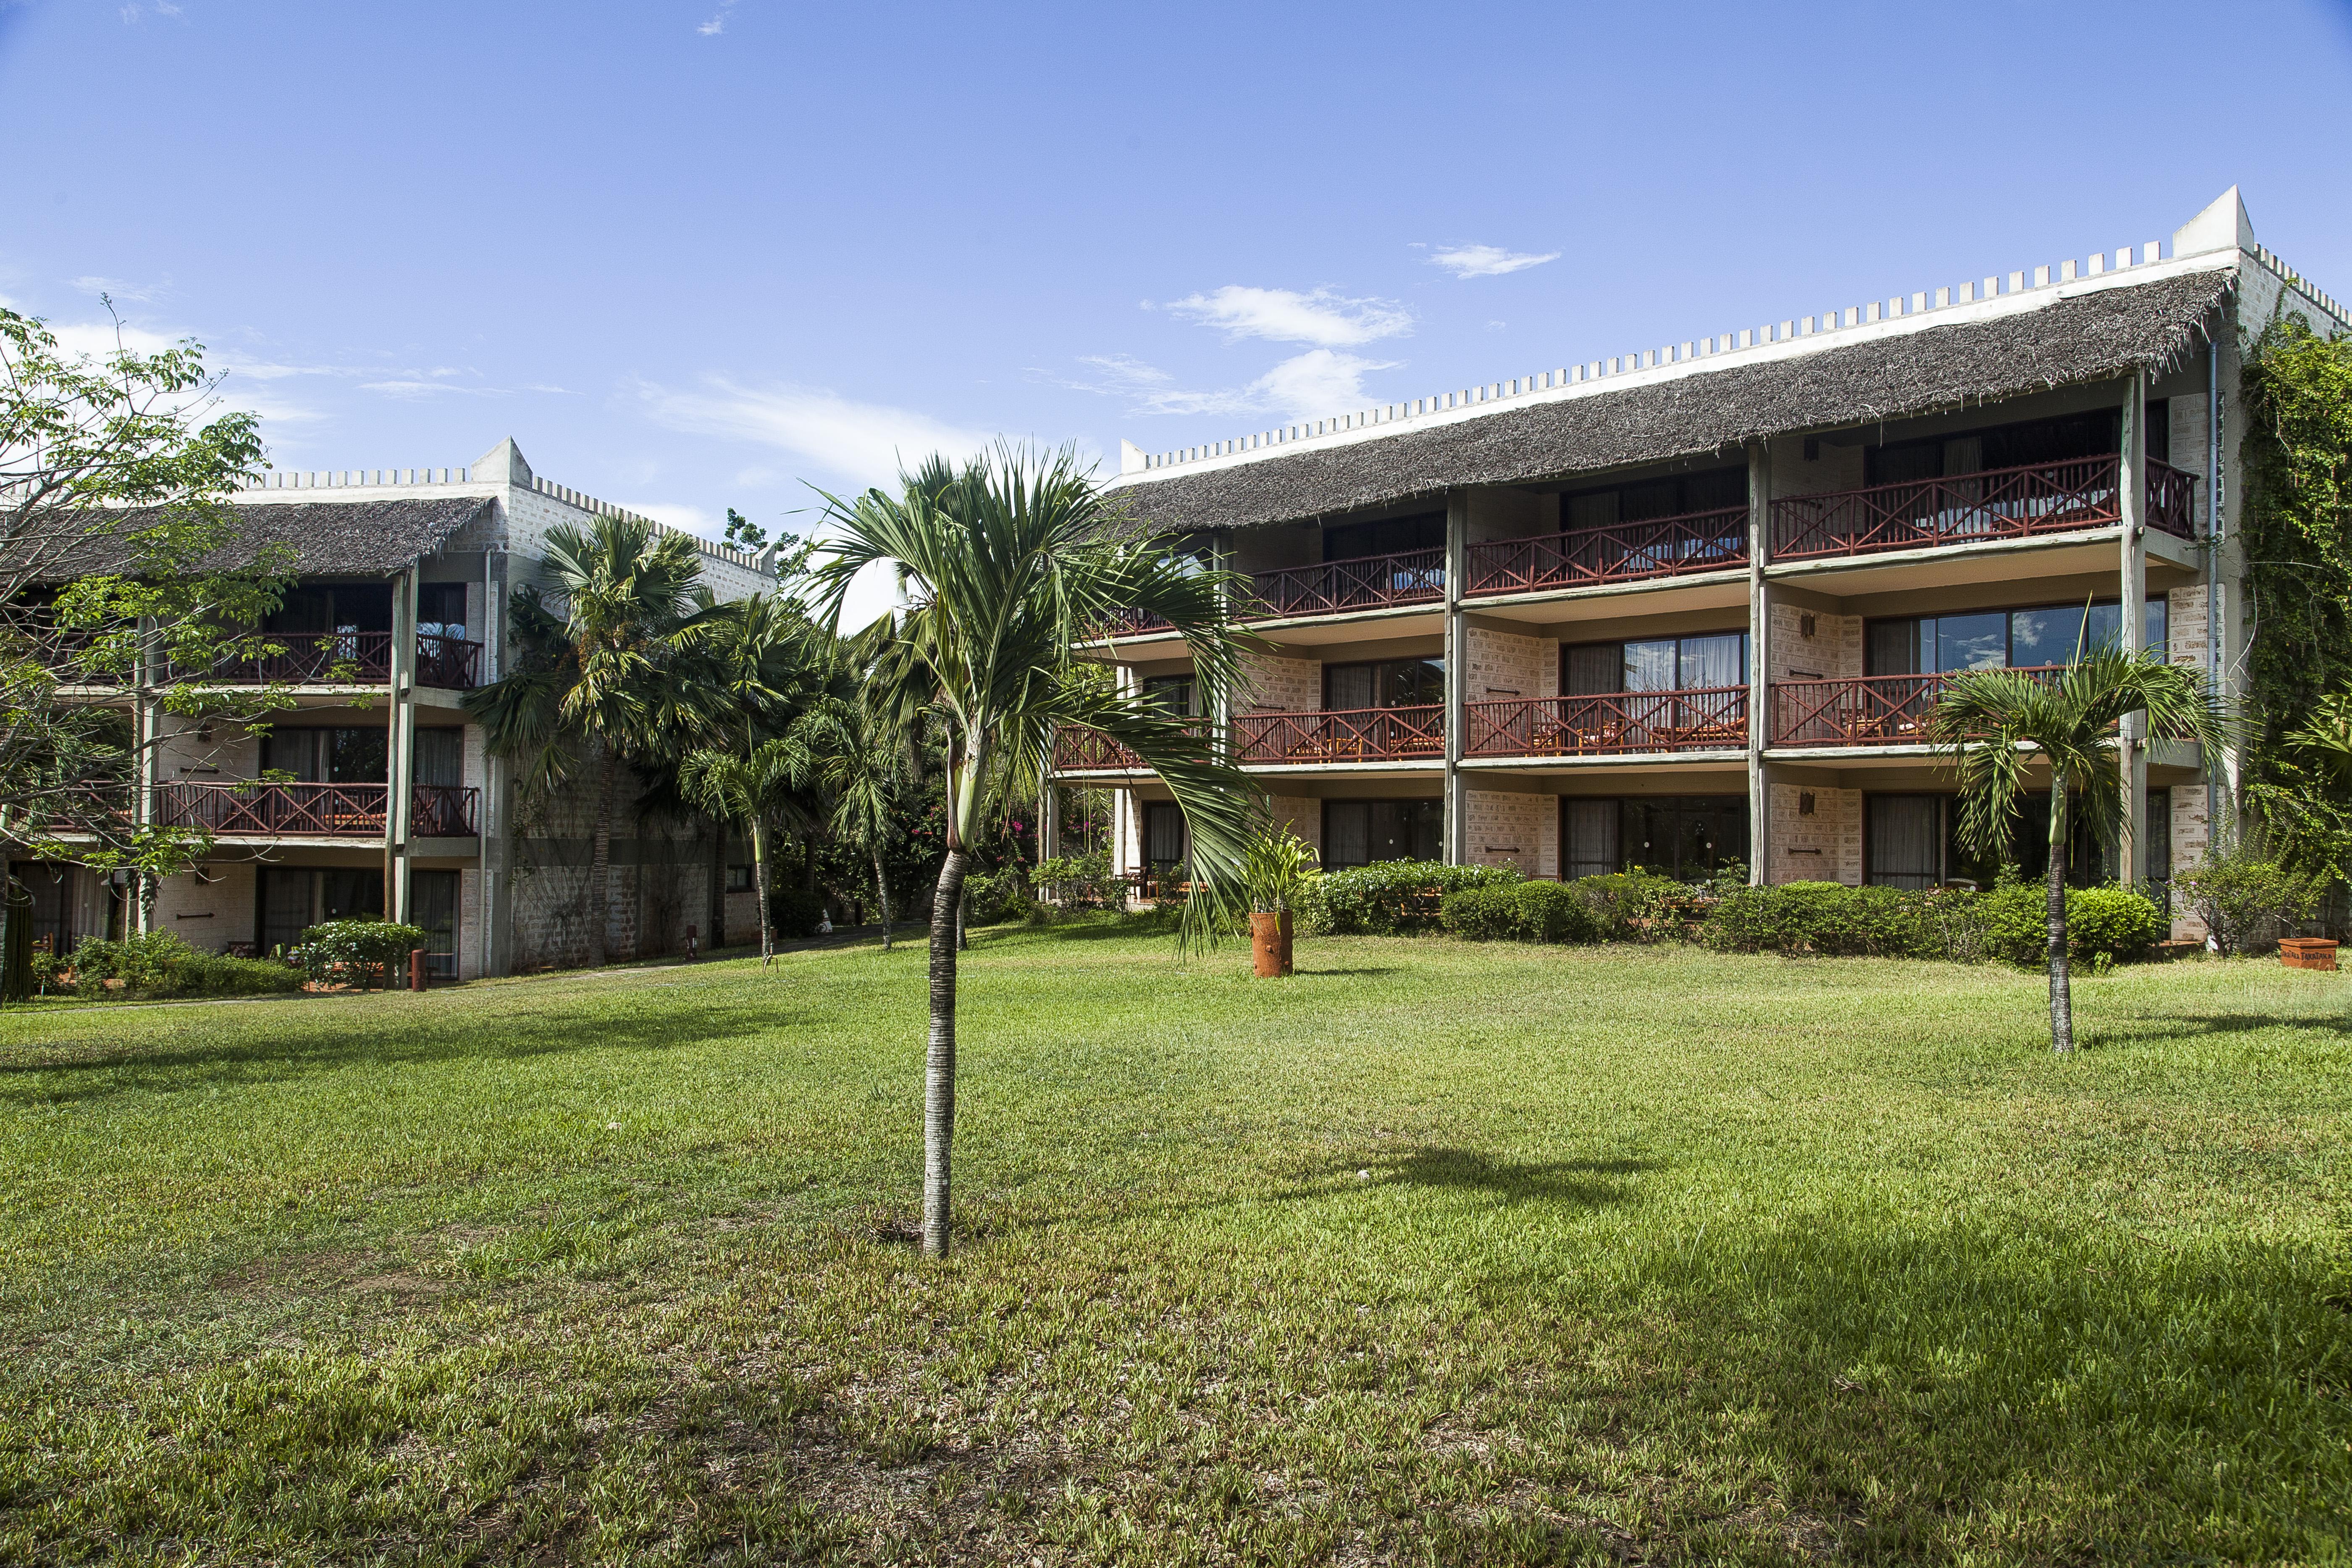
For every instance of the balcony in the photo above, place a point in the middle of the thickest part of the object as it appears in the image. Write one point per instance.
(1619, 552)
(353, 658)
(1363, 735)
(1341, 587)
(1708, 719)
(1973, 509)
(1865, 711)
(326, 810)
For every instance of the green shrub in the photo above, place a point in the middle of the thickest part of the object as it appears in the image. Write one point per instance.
(2109, 925)
(1481, 914)
(1556, 911)
(358, 953)
(1079, 881)
(1833, 921)
(796, 912)
(992, 897)
(2247, 903)
(159, 964)
(1392, 898)
(1635, 905)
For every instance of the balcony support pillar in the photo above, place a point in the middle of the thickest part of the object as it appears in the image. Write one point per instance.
(1456, 717)
(496, 855)
(2132, 837)
(400, 752)
(1760, 662)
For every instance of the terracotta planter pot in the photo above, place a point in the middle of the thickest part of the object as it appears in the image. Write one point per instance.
(1270, 945)
(2307, 952)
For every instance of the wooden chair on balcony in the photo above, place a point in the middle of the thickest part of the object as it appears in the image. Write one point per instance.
(1326, 749)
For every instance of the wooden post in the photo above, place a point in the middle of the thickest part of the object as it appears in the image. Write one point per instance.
(1457, 550)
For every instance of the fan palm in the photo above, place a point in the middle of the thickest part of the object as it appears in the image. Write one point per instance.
(1011, 563)
(1996, 723)
(593, 681)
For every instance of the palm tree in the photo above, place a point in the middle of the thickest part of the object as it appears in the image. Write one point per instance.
(848, 754)
(594, 681)
(1996, 723)
(759, 659)
(1011, 563)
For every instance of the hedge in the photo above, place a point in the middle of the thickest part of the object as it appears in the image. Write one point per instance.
(159, 964)
(1392, 898)
(1531, 911)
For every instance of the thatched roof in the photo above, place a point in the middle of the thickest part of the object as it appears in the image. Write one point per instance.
(2089, 337)
(354, 538)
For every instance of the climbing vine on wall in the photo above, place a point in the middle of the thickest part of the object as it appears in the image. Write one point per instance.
(2297, 536)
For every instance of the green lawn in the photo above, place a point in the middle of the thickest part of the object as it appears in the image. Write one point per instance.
(1435, 1253)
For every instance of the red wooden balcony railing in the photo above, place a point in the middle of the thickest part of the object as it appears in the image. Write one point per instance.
(334, 810)
(1998, 503)
(1619, 552)
(1337, 587)
(1135, 623)
(1091, 750)
(1362, 735)
(1865, 710)
(354, 658)
(1706, 719)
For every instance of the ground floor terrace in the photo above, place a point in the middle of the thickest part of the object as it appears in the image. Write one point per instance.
(1437, 1251)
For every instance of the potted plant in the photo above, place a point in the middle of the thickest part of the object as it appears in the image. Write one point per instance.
(1275, 868)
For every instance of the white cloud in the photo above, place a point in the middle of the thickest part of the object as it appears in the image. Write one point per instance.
(718, 22)
(1322, 318)
(680, 514)
(1487, 260)
(118, 288)
(842, 440)
(1319, 381)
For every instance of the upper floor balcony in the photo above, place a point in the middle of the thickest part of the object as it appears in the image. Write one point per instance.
(1416, 733)
(1620, 723)
(1341, 587)
(1993, 505)
(350, 659)
(1616, 552)
(1864, 711)
(315, 810)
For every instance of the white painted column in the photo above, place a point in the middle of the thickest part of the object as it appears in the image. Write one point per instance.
(1759, 664)
(496, 852)
(1458, 543)
(400, 753)
(2131, 848)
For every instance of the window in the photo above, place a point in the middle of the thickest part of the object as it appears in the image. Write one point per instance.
(433, 906)
(1359, 832)
(1391, 683)
(291, 902)
(441, 610)
(740, 879)
(1166, 846)
(1660, 664)
(1172, 694)
(1689, 837)
(1989, 639)
(1677, 495)
(1390, 536)
(1904, 839)
(339, 607)
(440, 756)
(2004, 447)
(1913, 841)
(329, 756)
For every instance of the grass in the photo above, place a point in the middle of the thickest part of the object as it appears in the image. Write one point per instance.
(1434, 1253)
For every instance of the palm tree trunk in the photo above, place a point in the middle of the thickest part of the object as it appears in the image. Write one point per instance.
(939, 1072)
(882, 894)
(600, 857)
(760, 882)
(2062, 998)
(962, 941)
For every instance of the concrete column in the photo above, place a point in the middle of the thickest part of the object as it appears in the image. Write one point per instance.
(400, 761)
(497, 851)
(1759, 664)
(2131, 847)
(1457, 543)
(1049, 820)
(146, 728)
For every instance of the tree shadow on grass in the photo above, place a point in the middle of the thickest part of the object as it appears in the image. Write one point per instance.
(1588, 1184)
(308, 1044)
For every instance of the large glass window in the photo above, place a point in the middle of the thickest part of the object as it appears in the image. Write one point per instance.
(1677, 495)
(441, 610)
(1165, 844)
(1657, 664)
(433, 905)
(1359, 832)
(1390, 683)
(1991, 639)
(2057, 440)
(1389, 536)
(1172, 694)
(440, 756)
(328, 756)
(1689, 837)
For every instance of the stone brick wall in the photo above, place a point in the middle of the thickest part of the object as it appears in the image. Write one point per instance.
(1303, 815)
(2192, 831)
(1832, 653)
(1822, 846)
(2184, 614)
(1511, 830)
(1498, 665)
(208, 908)
(1281, 686)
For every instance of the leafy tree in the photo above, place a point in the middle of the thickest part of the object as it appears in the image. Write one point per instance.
(115, 473)
(600, 679)
(850, 752)
(1011, 563)
(1996, 723)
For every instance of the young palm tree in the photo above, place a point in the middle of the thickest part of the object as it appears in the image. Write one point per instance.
(1009, 563)
(847, 753)
(761, 660)
(594, 679)
(1996, 723)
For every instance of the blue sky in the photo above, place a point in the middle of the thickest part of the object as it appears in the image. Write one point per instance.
(696, 254)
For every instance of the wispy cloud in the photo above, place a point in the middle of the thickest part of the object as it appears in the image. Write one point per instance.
(1285, 316)
(1487, 260)
(718, 22)
(840, 437)
(1317, 382)
(119, 289)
